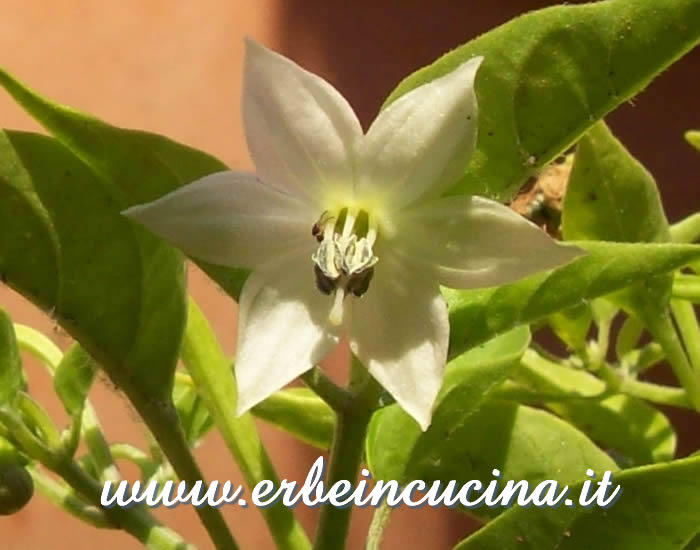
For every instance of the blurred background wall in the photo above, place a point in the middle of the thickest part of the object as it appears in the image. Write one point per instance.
(174, 67)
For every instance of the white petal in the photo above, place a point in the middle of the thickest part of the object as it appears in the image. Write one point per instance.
(473, 242)
(400, 332)
(301, 132)
(283, 327)
(228, 218)
(421, 143)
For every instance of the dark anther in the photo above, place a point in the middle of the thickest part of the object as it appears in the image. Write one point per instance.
(324, 283)
(359, 282)
(316, 231)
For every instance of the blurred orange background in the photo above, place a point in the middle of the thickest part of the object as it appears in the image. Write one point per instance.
(174, 67)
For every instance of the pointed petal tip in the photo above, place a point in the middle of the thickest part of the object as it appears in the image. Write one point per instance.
(570, 252)
(135, 212)
(243, 406)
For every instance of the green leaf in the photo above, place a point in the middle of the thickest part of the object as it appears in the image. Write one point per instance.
(396, 446)
(659, 509)
(521, 442)
(11, 374)
(478, 315)
(38, 345)
(609, 193)
(549, 75)
(611, 196)
(193, 413)
(117, 289)
(634, 432)
(693, 137)
(300, 412)
(137, 166)
(572, 325)
(73, 379)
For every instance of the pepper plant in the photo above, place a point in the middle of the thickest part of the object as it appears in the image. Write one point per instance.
(401, 239)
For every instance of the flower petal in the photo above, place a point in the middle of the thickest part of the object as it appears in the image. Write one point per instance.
(301, 132)
(422, 142)
(400, 332)
(283, 327)
(473, 242)
(228, 218)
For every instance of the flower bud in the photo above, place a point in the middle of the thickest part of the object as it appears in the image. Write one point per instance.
(16, 485)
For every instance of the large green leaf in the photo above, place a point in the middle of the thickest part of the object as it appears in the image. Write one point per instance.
(137, 166)
(117, 289)
(549, 75)
(633, 431)
(659, 509)
(478, 315)
(396, 446)
(11, 376)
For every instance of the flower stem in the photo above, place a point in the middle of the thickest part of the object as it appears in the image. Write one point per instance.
(335, 396)
(346, 455)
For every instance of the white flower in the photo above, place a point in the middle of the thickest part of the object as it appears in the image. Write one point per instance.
(346, 232)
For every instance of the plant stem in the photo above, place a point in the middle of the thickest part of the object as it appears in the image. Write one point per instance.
(686, 287)
(335, 396)
(136, 521)
(687, 324)
(661, 395)
(211, 372)
(67, 499)
(346, 455)
(687, 230)
(380, 518)
(162, 420)
(663, 331)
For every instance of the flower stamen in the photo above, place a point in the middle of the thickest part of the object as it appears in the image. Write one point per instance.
(344, 260)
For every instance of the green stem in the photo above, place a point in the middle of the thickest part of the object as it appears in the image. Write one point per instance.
(124, 451)
(664, 333)
(211, 371)
(346, 455)
(686, 287)
(687, 230)
(380, 518)
(43, 349)
(67, 499)
(135, 521)
(661, 395)
(326, 389)
(687, 324)
(38, 345)
(162, 421)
